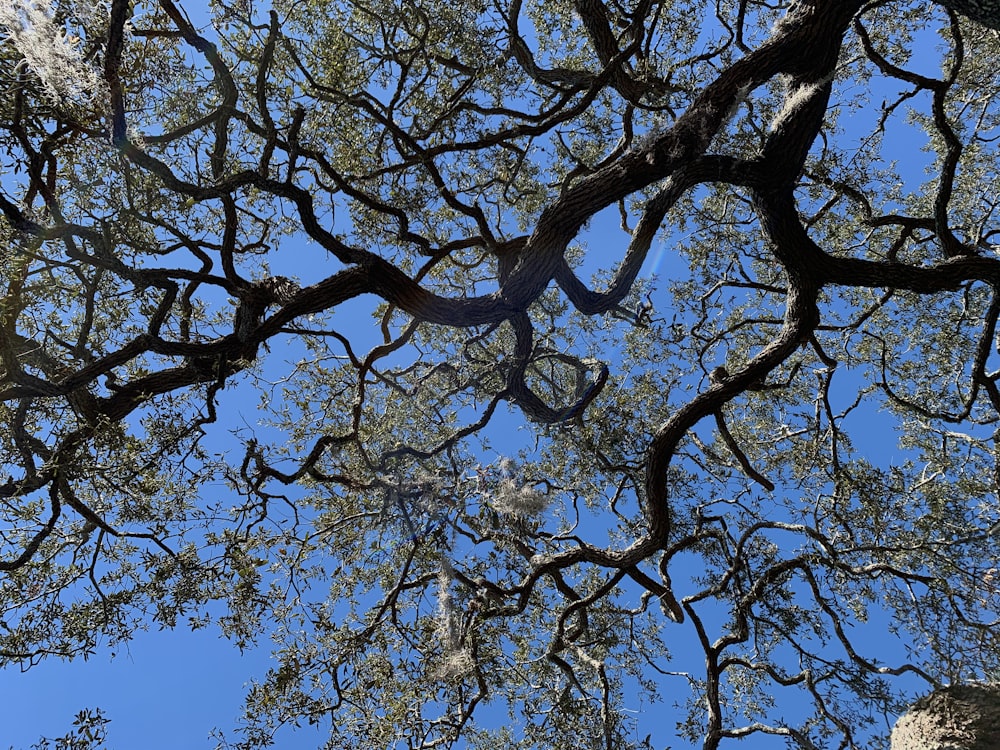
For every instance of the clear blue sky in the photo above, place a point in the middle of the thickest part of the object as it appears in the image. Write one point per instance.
(166, 691)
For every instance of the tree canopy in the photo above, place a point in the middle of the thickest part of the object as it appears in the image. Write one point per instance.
(519, 367)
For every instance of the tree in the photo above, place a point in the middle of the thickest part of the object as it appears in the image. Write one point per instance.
(498, 468)
(959, 716)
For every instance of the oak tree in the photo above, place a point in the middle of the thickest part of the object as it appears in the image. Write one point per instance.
(523, 369)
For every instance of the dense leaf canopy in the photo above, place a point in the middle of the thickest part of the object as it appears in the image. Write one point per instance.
(521, 368)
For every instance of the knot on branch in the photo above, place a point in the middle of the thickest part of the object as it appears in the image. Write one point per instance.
(281, 289)
(255, 299)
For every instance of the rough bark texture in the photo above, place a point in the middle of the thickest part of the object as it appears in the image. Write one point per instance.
(986, 12)
(960, 717)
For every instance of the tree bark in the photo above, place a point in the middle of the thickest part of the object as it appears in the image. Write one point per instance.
(986, 12)
(959, 717)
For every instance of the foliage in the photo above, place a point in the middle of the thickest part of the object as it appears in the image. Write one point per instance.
(515, 366)
(88, 733)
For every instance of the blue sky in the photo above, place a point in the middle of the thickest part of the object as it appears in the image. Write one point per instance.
(164, 690)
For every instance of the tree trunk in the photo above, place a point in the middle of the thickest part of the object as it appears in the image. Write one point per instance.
(960, 717)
